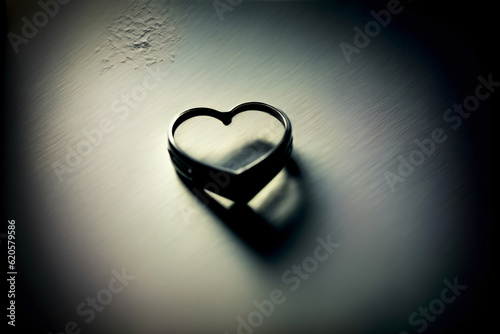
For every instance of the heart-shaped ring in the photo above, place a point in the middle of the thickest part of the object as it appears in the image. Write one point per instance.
(243, 184)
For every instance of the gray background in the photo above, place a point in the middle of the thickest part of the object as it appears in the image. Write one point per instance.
(124, 207)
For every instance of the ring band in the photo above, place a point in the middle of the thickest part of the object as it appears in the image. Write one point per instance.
(240, 186)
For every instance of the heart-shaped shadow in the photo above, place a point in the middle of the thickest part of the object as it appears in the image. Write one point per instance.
(258, 226)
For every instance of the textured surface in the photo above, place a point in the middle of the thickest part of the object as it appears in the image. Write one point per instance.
(143, 35)
(121, 204)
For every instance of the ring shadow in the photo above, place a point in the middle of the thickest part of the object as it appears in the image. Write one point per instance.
(255, 229)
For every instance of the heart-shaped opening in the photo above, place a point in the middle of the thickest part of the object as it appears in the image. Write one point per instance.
(242, 161)
(247, 139)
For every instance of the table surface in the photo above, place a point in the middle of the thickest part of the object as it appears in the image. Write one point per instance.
(117, 73)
